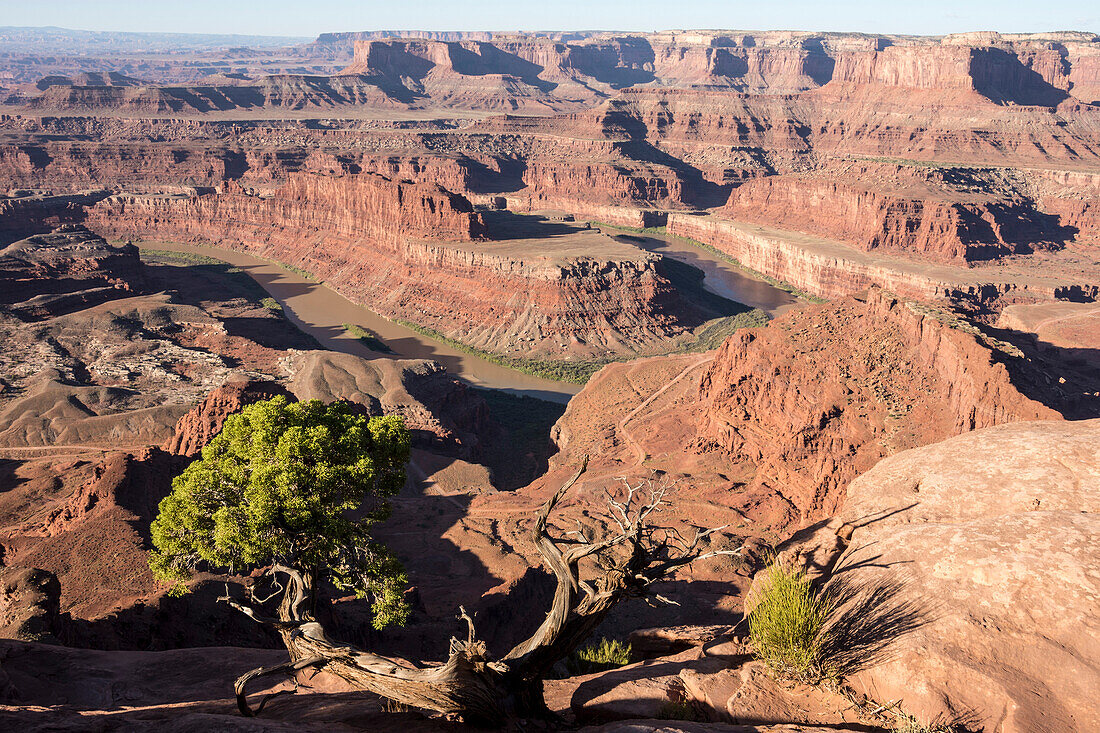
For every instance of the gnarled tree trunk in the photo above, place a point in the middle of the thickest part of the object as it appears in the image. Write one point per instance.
(469, 683)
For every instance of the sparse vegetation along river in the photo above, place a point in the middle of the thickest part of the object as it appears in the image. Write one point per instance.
(324, 314)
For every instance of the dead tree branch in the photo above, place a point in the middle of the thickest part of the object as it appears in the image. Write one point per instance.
(623, 561)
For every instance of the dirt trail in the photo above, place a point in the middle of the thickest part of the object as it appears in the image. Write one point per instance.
(627, 435)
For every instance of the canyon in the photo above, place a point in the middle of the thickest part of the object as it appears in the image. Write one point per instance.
(580, 291)
(833, 295)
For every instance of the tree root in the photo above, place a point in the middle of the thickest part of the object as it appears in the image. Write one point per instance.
(288, 668)
(627, 561)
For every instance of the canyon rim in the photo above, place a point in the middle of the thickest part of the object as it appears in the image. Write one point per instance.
(746, 380)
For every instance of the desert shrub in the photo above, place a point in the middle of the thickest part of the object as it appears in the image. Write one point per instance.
(681, 710)
(297, 271)
(607, 654)
(368, 337)
(909, 724)
(271, 304)
(393, 706)
(788, 626)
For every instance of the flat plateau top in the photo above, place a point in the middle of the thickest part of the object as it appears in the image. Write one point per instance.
(527, 238)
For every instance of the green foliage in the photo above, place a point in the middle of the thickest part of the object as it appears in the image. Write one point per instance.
(287, 482)
(909, 724)
(607, 654)
(788, 625)
(297, 271)
(237, 278)
(714, 333)
(634, 230)
(369, 338)
(172, 257)
(681, 710)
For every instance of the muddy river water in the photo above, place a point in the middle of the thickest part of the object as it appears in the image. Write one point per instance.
(321, 312)
(722, 277)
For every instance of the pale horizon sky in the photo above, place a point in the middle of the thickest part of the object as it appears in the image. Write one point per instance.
(308, 19)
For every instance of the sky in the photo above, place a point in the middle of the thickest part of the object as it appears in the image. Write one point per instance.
(310, 17)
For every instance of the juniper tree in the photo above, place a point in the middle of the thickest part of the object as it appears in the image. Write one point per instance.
(282, 486)
(296, 485)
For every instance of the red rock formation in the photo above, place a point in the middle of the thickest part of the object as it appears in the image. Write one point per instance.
(74, 166)
(551, 180)
(822, 395)
(370, 238)
(195, 429)
(830, 269)
(801, 435)
(770, 428)
(85, 504)
(32, 214)
(582, 209)
(364, 206)
(955, 73)
(981, 545)
(899, 213)
(29, 605)
(80, 268)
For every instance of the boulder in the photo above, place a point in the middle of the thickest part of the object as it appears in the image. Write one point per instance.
(30, 601)
(666, 640)
(973, 568)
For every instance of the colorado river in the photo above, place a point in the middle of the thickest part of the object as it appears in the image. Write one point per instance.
(322, 312)
(722, 278)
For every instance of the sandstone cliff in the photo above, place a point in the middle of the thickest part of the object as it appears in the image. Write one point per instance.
(770, 428)
(368, 206)
(568, 71)
(407, 251)
(830, 269)
(822, 395)
(874, 207)
(80, 267)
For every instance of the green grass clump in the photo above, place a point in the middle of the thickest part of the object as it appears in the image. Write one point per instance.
(909, 724)
(171, 257)
(296, 270)
(211, 266)
(607, 654)
(621, 227)
(788, 625)
(681, 710)
(714, 333)
(369, 338)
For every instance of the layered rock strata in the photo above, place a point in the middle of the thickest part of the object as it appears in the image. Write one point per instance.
(822, 396)
(547, 72)
(763, 434)
(831, 269)
(407, 250)
(900, 212)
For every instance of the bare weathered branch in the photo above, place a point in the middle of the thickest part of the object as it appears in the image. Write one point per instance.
(628, 553)
(288, 668)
